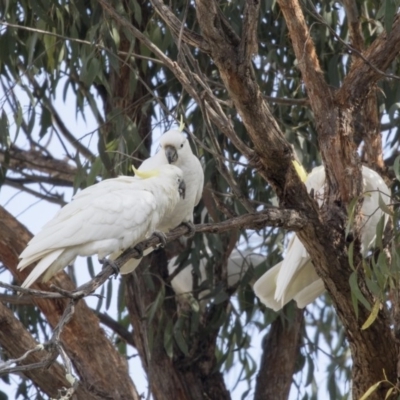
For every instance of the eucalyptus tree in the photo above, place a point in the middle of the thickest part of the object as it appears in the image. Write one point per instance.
(258, 84)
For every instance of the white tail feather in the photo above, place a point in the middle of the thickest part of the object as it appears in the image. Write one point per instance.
(265, 286)
(41, 267)
(309, 293)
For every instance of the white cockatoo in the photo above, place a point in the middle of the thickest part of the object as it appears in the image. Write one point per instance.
(175, 149)
(237, 265)
(295, 276)
(103, 219)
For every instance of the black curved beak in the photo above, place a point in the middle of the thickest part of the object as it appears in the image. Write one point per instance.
(171, 154)
(182, 189)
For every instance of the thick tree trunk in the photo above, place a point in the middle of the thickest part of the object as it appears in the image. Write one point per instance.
(279, 358)
(180, 378)
(324, 236)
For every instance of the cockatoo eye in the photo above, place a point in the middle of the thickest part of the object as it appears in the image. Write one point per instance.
(182, 145)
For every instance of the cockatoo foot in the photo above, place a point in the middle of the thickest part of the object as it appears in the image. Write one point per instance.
(139, 249)
(190, 226)
(105, 261)
(161, 236)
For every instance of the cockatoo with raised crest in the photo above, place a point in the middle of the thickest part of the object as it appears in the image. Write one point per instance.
(104, 219)
(175, 149)
(295, 276)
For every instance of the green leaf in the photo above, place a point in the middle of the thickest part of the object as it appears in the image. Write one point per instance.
(351, 255)
(389, 393)
(390, 12)
(355, 290)
(379, 233)
(372, 316)
(101, 298)
(221, 297)
(168, 338)
(383, 206)
(370, 390)
(45, 121)
(49, 44)
(180, 339)
(89, 262)
(4, 131)
(109, 293)
(95, 171)
(156, 304)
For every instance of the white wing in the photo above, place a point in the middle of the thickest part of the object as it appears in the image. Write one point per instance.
(110, 222)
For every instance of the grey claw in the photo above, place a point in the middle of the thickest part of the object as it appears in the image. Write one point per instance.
(105, 261)
(192, 229)
(161, 236)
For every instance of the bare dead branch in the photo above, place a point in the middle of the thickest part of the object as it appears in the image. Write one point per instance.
(369, 68)
(50, 199)
(21, 160)
(353, 21)
(306, 55)
(249, 44)
(121, 331)
(35, 354)
(5, 367)
(14, 299)
(287, 101)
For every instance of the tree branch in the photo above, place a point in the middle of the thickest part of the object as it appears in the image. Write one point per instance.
(51, 199)
(249, 44)
(120, 330)
(21, 160)
(365, 72)
(11, 328)
(178, 29)
(353, 21)
(317, 89)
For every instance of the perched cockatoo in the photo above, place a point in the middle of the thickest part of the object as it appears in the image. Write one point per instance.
(295, 276)
(237, 265)
(175, 150)
(103, 219)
